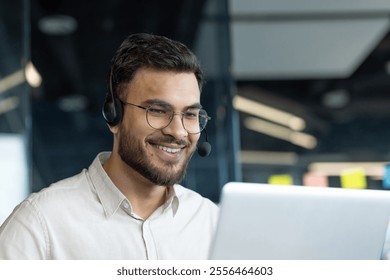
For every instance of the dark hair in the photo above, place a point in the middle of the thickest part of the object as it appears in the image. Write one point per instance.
(151, 51)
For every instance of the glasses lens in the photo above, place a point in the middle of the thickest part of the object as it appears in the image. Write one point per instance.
(158, 117)
(194, 120)
(203, 119)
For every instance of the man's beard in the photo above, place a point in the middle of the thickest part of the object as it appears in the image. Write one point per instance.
(134, 155)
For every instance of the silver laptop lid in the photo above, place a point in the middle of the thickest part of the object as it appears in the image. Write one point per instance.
(260, 221)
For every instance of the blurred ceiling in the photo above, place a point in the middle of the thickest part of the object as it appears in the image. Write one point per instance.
(326, 62)
(73, 42)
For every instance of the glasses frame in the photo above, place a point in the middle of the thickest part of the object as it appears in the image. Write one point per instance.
(171, 118)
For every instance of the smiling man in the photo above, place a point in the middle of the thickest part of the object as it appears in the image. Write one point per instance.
(128, 203)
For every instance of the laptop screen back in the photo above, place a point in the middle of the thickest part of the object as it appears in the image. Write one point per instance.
(260, 221)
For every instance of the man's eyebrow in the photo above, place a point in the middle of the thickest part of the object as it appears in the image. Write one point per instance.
(195, 106)
(165, 104)
(158, 102)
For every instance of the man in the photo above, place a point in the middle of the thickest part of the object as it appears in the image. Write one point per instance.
(127, 204)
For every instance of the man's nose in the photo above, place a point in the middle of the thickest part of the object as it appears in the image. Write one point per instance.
(176, 127)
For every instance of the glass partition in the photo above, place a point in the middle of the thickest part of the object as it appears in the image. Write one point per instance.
(15, 121)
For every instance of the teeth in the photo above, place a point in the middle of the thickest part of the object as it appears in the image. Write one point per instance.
(169, 150)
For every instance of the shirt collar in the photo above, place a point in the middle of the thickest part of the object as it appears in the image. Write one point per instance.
(172, 201)
(110, 196)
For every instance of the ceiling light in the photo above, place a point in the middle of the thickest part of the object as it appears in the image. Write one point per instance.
(33, 78)
(297, 138)
(30, 74)
(336, 99)
(73, 103)
(57, 25)
(8, 104)
(269, 158)
(267, 112)
(11, 81)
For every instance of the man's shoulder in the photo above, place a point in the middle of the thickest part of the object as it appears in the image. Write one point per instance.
(64, 189)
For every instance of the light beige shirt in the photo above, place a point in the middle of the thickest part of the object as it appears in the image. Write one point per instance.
(87, 217)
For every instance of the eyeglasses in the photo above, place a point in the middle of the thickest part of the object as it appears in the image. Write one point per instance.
(158, 116)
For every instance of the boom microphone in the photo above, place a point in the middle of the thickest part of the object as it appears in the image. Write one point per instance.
(204, 149)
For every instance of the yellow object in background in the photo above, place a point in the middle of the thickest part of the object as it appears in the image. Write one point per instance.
(353, 178)
(281, 179)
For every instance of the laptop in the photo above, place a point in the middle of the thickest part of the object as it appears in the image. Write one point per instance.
(276, 222)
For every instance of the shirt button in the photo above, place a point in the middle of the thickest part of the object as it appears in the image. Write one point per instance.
(125, 205)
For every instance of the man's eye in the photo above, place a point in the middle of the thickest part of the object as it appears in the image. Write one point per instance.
(158, 111)
(191, 115)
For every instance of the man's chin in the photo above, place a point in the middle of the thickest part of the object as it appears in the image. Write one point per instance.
(158, 172)
(167, 177)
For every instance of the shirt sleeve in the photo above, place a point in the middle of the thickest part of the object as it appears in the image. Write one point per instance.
(23, 235)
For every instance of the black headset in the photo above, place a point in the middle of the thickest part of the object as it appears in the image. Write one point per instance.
(112, 108)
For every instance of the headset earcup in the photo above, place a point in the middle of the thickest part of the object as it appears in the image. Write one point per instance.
(112, 110)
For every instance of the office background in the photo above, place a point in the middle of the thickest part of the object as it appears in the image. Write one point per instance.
(298, 90)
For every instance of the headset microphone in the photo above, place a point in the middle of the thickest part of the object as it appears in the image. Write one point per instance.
(204, 149)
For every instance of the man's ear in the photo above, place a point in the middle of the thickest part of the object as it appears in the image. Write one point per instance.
(113, 128)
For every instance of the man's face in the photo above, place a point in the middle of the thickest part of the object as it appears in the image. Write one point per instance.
(161, 156)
